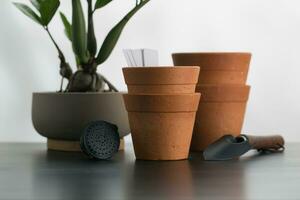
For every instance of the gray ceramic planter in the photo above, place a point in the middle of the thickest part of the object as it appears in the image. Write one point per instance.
(62, 116)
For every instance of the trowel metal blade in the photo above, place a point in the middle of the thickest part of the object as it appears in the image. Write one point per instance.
(226, 148)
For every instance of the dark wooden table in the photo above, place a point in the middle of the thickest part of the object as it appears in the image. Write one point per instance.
(29, 171)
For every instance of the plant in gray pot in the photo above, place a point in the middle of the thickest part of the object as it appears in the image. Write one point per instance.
(88, 95)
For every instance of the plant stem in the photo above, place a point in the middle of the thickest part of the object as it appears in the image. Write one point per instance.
(65, 69)
(110, 85)
(61, 84)
(61, 55)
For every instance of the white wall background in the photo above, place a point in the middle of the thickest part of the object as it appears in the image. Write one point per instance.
(270, 29)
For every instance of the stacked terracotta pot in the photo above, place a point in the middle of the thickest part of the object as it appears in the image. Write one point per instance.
(161, 104)
(222, 84)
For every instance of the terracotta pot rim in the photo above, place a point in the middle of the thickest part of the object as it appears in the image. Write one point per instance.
(164, 95)
(162, 103)
(162, 67)
(161, 112)
(224, 93)
(212, 53)
(227, 61)
(221, 70)
(78, 93)
(225, 86)
(186, 84)
(161, 75)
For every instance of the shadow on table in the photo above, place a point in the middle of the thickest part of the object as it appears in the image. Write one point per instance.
(58, 175)
(217, 180)
(159, 179)
(64, 175)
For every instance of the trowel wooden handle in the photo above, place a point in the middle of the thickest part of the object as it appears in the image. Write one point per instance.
(274, 142)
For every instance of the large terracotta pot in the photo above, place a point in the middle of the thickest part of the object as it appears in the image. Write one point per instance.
(217, 68)
(221, 112)
(62, 116)
(166, 80)
(161, 125)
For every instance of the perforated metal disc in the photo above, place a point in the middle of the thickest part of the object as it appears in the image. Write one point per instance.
(100, 140)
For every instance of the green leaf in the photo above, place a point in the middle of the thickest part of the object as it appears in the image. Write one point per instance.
(101, 3)
(79, 35)
(28, 12)
(114, 35)
(67, 25)
(36, 3)
(48, 9)
(91, 38)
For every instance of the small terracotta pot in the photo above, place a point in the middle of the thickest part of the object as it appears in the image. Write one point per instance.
(217, 68)
(161, 125)
(161, 80)
(221, 112)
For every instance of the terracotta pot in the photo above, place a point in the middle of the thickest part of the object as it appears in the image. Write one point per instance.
(62, 116)
(221, 112)
(166, 80)
(217, 68)
(161, 125)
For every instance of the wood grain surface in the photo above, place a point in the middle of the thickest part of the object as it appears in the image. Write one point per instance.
(73, 146)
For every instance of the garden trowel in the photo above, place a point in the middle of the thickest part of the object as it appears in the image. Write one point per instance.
(229, 147)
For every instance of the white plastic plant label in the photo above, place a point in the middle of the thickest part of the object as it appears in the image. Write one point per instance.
(141, 57)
